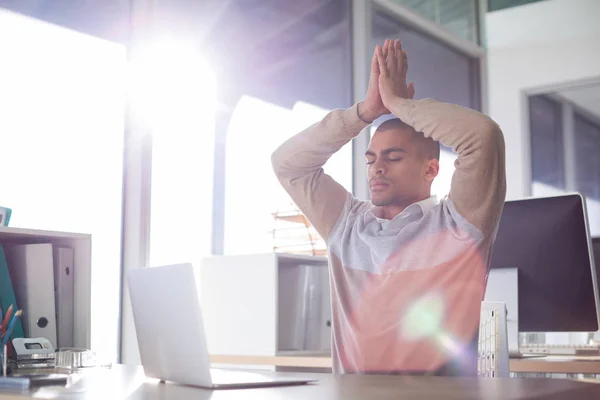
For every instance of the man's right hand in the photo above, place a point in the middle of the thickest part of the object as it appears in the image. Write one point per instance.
(372, 106)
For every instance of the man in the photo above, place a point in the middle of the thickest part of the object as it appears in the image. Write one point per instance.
(407, 272)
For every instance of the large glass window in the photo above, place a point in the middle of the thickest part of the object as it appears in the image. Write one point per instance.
(587, 168)
(107, 19)
(495, 5)
(181, 117)
(565, 143)
(438, 72)
(547, 142)
(587, 150)
(61, 125)
(457, 16)
(283, 65)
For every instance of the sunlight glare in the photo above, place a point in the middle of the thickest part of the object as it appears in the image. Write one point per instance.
(424, 318)
(171, 85)
(174, 92)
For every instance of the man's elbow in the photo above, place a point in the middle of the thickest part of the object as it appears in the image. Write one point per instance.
(491, 133)
(276, 161)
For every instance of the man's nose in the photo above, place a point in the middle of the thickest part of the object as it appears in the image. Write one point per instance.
(379, 168)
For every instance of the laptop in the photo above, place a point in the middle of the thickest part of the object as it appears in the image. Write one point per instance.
(170, 332)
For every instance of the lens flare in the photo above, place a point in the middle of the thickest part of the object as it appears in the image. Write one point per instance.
(424, 318)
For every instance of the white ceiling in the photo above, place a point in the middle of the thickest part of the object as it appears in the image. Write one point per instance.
(587, 98)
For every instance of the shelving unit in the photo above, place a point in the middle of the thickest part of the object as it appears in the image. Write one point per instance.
(256, 297)
(82, 250)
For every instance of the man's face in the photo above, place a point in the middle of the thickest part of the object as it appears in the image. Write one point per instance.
(397, 169)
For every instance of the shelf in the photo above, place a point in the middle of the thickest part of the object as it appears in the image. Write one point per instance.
(294, 258)
(293, 233)
(298, 218)
(267, 287)
(303, 353)
(81, 244)
(14, 234)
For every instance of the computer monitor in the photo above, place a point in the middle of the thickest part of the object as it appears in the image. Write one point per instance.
(547, 239)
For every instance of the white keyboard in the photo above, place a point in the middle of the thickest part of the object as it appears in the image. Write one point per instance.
(561, 349)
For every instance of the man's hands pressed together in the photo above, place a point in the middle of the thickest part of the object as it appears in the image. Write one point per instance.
(392, 75)
(372, 107)
(387, 81)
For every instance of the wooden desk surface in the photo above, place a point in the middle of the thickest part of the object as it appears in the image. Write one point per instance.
(278, 361)
(557, 364)
(128, 382)
(550, 364)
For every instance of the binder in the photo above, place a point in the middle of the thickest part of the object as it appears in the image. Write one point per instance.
(32, 269)
(63, 295)
(5, 213)
(7, 294)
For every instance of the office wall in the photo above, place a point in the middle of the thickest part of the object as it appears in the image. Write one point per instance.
(548, 43)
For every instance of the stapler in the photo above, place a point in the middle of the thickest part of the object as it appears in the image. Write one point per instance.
(33, 353)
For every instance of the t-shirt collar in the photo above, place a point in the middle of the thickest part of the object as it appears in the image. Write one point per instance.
(423, 206)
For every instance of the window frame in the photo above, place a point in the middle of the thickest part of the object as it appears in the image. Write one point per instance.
(563, 113)
(568, 111)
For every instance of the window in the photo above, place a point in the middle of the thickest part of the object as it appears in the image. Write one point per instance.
(457, 16)
(495, 5)
(287, 65)
(565, 143)
(587, 150)
(438, 72)
(182, 122)
(107, 19)
(547, 141)
(587, 168)
(61, 124)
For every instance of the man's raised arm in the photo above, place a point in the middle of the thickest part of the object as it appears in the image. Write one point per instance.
(478, 185)
(298, 163)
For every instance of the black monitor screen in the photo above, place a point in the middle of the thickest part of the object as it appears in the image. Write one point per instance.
(546, 239)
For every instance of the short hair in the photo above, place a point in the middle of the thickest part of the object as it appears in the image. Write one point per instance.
(430, 147)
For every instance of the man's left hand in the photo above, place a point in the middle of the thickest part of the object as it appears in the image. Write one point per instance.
(392, 75)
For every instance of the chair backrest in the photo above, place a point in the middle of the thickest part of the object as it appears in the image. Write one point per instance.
(493, 360)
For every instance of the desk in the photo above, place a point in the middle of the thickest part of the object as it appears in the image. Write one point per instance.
(276, 361)
(557, 364)
(550, 364)
(129, 382)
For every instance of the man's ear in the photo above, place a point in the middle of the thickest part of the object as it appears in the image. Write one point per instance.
(433, 168)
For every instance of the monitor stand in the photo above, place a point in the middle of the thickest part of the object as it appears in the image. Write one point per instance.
(502, 285)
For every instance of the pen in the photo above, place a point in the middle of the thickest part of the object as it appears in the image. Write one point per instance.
(11, 326)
